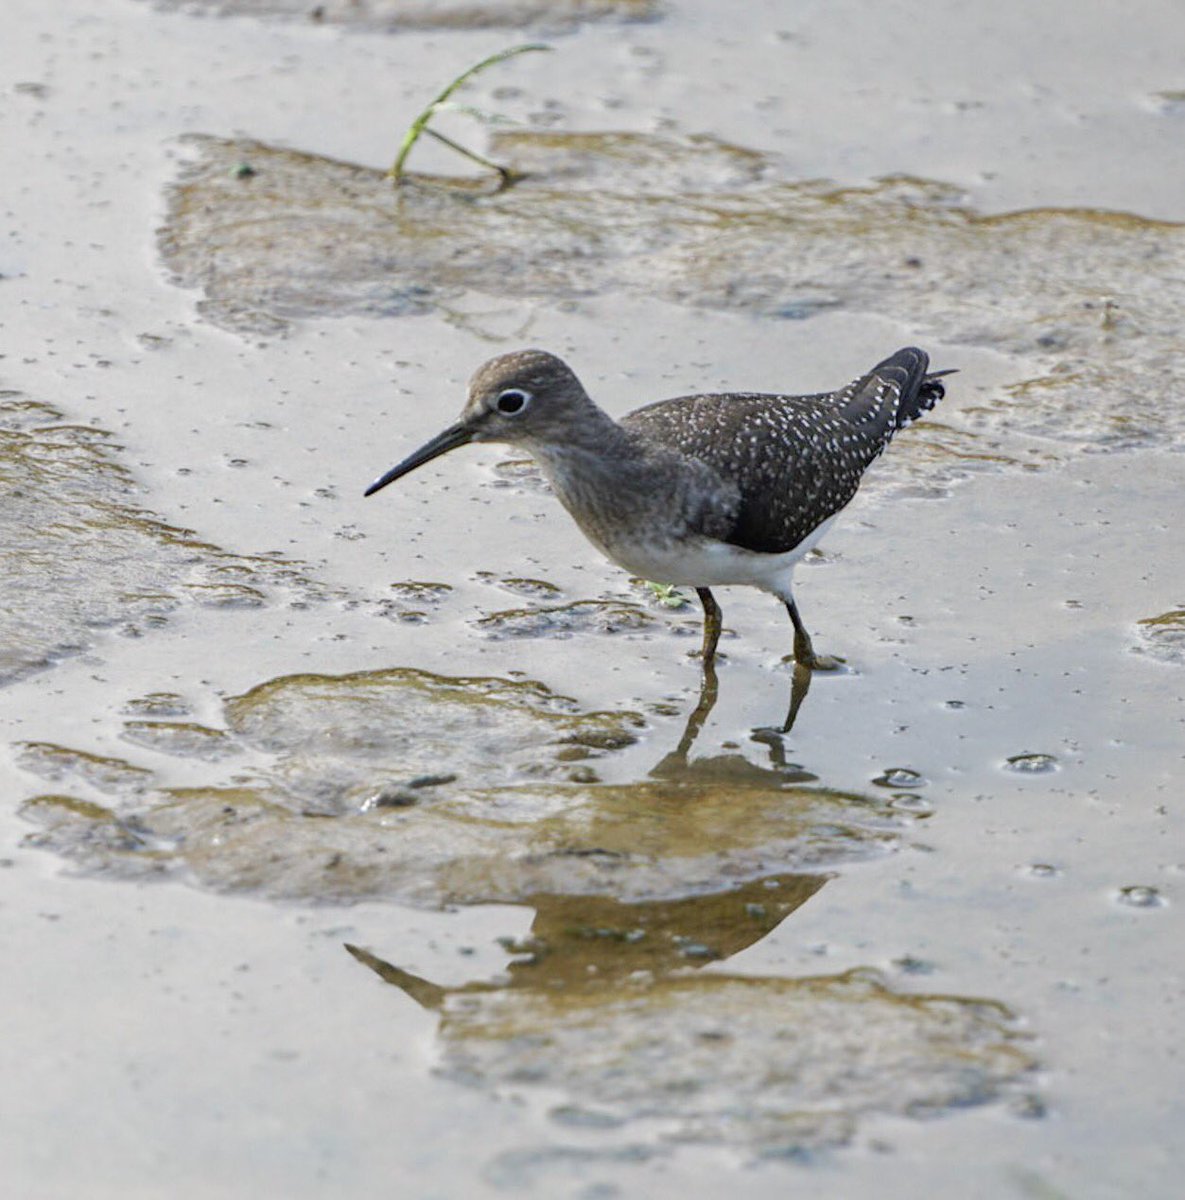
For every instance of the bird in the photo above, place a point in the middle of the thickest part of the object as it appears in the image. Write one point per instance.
(696, 491)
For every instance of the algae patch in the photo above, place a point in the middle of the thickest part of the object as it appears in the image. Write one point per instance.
(433, 790)
(79, 555)
(1163, 636)
(603, 1006)
(565, 620)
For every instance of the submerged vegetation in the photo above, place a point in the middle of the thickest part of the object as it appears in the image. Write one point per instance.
(665, 594)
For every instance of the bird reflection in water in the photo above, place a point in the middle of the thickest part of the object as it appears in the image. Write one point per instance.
(588, 941)
(589, 944)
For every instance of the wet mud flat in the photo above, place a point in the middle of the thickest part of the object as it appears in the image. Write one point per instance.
(486, 833)
(82, 554)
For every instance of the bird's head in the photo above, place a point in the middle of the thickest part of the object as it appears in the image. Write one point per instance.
(524, 398)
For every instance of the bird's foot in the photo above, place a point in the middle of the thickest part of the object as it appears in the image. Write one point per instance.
(769, 735)
(816, 662)
(825, 662)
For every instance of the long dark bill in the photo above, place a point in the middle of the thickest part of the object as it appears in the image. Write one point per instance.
(442, 443)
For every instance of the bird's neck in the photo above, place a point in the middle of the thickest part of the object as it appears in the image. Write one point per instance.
(617, 486)
(595, 455)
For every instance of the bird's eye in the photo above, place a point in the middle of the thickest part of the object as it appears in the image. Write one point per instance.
(511, 401)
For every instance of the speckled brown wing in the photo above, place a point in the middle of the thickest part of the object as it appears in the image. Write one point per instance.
(796, 460)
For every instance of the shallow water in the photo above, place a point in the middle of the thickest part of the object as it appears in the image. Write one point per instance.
(357, 840)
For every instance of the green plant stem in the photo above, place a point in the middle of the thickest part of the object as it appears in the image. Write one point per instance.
(505, 172)
(420, 124)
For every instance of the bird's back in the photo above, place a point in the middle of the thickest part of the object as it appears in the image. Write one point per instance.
(796, 460)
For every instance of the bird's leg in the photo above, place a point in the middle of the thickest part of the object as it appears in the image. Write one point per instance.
(711, 624)
(804, 652)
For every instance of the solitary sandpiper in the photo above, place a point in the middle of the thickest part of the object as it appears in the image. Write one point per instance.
(725, 488)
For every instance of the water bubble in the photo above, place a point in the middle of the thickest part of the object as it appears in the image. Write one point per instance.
(911, 965)
(1140, 896)
(900, 777)
(1032, 764)
(911, 802)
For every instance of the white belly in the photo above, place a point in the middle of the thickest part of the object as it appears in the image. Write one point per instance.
(706, 563)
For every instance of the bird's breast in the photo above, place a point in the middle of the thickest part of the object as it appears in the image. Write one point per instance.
(705, 562)
(661, 517)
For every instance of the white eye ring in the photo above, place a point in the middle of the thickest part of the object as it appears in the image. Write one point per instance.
(512, 401)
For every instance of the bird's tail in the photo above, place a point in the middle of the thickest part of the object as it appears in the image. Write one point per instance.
(894, 393)
(928, 394)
